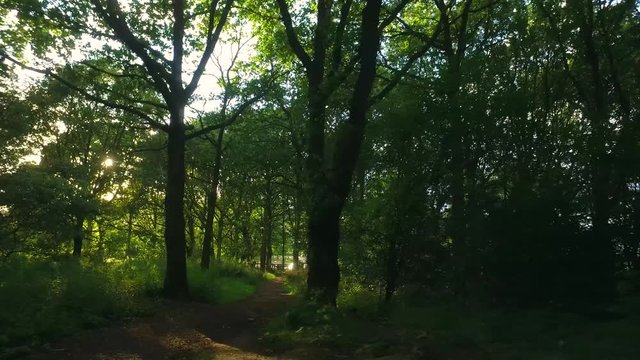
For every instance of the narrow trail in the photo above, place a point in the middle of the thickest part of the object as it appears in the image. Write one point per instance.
(186, 331)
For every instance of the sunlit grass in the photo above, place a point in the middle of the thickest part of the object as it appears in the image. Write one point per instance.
(223, 283)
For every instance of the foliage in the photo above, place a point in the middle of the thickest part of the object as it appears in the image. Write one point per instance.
(415, 327)
(225, 282)
(457, 152)
(42, 300)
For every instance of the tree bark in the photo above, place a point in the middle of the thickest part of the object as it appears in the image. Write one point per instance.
(99, 225)
(296, 229)
(392, 270)
(129, 231)
(284, 233)
(246, 240)
(322, 258)
(191, 229)
(332, 181)
(175, 281)
(266, 250)
(454, 51)
(219, 237)
(212, 198)
(78, 236)
(599, 246)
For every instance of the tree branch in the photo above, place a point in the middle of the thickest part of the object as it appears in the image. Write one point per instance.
(342, 24)
(393, 15)
(292, 37)
(149, 120)
(115, 18)
(236, 114)
(212, 40)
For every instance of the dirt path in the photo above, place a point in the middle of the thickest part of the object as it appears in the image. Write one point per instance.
(187, 331)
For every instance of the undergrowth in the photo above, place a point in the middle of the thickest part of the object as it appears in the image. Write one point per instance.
(41, 300)
(417, 328)
(225, 282)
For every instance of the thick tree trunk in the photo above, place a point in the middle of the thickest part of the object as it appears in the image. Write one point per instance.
(175, 281)
(322, 257)
(331, 180)
(212, 198)
(600, 247)
(78, 236)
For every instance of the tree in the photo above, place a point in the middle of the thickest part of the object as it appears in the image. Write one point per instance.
(330, 168)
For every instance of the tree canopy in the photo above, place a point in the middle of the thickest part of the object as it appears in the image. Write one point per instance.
(477, 148)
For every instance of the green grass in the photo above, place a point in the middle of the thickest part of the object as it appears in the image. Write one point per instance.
(295, 282)
(223, 283)
(269, 276)
(42, 300)
(417, 328)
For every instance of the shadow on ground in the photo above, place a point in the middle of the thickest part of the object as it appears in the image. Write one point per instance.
(188, 331)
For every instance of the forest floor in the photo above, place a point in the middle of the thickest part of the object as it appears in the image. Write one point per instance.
(185, 331)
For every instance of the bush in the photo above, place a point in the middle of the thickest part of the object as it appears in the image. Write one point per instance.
(296, 281)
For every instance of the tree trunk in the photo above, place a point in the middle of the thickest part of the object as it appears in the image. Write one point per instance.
(391, 276)
(129, 231)
(266, 251)
(175, 281)
(212, 198)
(246, 238)
(191, 229)
(78, 236)
(208, 230)
(296, 230)
(454, 49)
(458, 222)
(322, 258)
(89, 232)
(99, 225)
(219, 237)
(331, 181)
(600, 248)
(284, 235)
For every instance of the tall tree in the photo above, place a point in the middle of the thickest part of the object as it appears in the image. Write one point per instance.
(330, 164)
